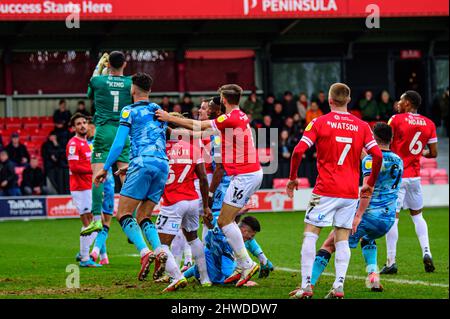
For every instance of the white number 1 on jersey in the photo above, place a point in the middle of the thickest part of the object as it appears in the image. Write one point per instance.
(116, 100)
(348, 145)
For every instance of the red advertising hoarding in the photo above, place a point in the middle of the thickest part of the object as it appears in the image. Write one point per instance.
(217, 9)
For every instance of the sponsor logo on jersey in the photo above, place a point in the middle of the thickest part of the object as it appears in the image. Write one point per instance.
(125, 114)
(368, 165)
(221, 118)
(310, 125)
(72, 150)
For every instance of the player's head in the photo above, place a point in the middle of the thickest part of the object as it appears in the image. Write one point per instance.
(79, 123)
(203, 112)
(409, 101)
(230, 94)
(382, 134)
(215, 108)
(249, 226)
(117, 61)
(142, 85)
(339, 95)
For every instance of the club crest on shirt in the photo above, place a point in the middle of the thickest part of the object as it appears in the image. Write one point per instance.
(125, 114)
(308, 128)
(221, 118)
(72, 150)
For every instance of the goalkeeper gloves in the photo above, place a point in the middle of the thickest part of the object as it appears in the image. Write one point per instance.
(265, 269)
(102, 65)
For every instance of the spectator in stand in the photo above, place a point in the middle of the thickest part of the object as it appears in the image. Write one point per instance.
(266, 126)
(322, 102)
(177, 108)
(17, 152)
(54, 156)
(166, 104)
(61, 118)
(302, 105)
(385, 107)
(194, 113)
(299, 123)
(253, 106)
(313, 112)
(278, 116)
(33, 179)
(284, 155)
(289, 105)
(369, 107)
(8, 177)
(82, 109)
(269, 105)
(187, 104)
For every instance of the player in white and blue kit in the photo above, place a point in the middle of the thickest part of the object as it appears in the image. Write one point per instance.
(375, 216)
(146, 175)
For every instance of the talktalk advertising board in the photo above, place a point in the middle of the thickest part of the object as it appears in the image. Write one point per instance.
(214, 9)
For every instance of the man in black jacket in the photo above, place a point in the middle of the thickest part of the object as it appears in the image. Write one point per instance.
(55, 163)
(8, 177)
(33, 179)
(17, 152)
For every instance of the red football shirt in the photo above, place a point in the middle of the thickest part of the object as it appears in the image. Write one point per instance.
(340, 138)
(238, 149)
(183, 158)
(412, 132)
(78, 154)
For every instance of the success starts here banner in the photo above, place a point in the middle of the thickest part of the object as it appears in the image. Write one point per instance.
(23, 10)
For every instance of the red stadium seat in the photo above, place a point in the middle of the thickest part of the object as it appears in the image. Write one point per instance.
(428, 162)
(280, 183)
(425, 173)
(13, 123)
(439, 176)
(38, 139)
(303, 182)
(440, 181)
(30, 122)
(46, 119)
(425, 181)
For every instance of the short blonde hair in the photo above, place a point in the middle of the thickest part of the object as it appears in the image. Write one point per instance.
(340, 94)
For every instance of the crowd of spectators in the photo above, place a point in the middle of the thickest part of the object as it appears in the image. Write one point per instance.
(289, 115)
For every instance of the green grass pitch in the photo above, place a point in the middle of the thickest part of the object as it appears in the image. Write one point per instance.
(34, 256)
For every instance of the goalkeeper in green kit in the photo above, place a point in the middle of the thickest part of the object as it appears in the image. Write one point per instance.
(110, 90)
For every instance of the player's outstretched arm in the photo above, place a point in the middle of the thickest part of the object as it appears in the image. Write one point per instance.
(114, 153)
(362, 206)
(296, 160)
(200, 171)
(216, 179)
(189, 124)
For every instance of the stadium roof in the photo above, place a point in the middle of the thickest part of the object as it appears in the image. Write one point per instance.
(210, 34)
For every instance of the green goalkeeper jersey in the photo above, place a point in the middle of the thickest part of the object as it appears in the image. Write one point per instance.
(111, 94)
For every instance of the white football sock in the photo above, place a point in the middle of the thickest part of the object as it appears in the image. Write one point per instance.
(262, 258)
(97, 217)
(308, 254)
(341, 261)
(95, 250)
(172, 268)
(144, 251)
(84, 248)
(92, 238)
(199, 257)
(187, 253)
(178, 246)
(234, 238)
(391, 243)
(422, 233)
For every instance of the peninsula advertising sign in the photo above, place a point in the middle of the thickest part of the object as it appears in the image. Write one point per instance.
(217, 9)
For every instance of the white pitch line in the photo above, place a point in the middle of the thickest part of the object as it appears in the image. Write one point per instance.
(397, 281)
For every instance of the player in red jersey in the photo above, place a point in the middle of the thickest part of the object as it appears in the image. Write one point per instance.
(180, 203)
(79, 154)
(180, 246)
(340, 138)
(241, 162)
(412, 132)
